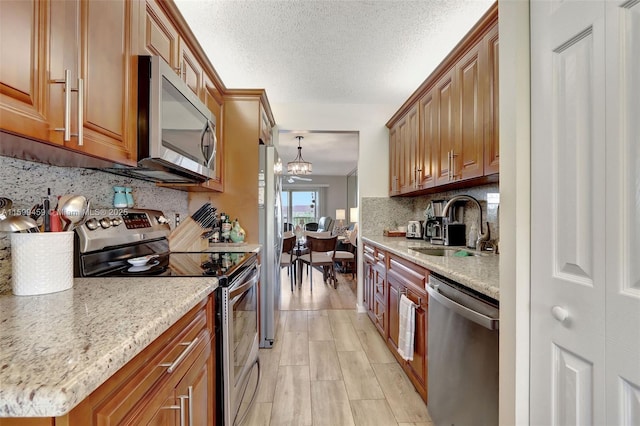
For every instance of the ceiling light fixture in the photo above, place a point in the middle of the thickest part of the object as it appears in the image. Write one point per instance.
(299, 166)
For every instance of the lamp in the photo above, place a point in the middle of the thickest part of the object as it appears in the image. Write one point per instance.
(299, 166)
(341, 215)
(353, 214)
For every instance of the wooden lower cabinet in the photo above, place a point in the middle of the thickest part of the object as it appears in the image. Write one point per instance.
(145, 392)
(385, 282)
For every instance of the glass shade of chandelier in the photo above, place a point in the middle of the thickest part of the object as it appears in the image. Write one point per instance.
(299, 166)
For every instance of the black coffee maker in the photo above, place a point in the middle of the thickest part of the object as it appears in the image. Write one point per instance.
(434, 225)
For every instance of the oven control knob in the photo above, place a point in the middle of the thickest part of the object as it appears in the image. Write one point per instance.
(116, 221)
(92, 224)
(105, 222)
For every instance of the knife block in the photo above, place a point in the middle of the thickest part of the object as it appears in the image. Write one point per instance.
(188, 237)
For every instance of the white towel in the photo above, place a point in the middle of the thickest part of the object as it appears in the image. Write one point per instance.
(407, 328)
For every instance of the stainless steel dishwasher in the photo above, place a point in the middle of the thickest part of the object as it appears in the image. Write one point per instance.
(462, 355)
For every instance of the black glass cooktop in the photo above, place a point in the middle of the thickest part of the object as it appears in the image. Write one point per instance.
(178, 264)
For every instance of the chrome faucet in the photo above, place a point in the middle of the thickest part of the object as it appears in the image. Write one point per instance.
(482, 237)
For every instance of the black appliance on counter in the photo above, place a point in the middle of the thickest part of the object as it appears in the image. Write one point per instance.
(134, 243)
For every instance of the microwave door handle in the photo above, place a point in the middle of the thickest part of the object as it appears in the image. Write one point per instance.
(207, 152)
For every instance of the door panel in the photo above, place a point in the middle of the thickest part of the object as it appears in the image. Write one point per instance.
(623, 220)
(572, 388)
(444, 105)
(23, 30)
(568, 176)
(468, 159)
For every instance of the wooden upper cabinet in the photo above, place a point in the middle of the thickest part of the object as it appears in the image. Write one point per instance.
(394, 160)
(410, 133)
(456, 139)
(42, 41)
(161, 37)
(23, 74)
(191, 70)
(467, 153)
(427, 142)
(491, 106)
(265, 127)
(444, 103)
(214, 101)
(110, 92)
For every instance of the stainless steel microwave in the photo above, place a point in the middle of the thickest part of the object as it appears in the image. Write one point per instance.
(176, 131)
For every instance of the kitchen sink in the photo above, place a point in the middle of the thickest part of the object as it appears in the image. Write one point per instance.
(443, 251)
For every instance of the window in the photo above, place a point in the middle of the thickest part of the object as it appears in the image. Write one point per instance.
(300, 207)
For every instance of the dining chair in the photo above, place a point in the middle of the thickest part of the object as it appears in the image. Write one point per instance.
(318, 256)
(288, 226)
(287, 258)
(350, 255)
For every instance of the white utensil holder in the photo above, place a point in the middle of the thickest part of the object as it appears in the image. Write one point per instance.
(42, 262)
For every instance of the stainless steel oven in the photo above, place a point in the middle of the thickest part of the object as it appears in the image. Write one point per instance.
(238, 313)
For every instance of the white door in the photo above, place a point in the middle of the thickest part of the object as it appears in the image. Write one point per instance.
(622, 330)
(585, 309)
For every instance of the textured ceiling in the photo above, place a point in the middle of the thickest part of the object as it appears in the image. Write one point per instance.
(348, 52)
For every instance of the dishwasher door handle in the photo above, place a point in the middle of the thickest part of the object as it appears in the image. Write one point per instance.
(470, 314)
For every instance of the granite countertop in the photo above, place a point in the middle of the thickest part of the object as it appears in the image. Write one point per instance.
(56, 349)
(480, 273)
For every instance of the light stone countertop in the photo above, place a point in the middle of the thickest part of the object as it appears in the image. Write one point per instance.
(56, 349)
(480, 273)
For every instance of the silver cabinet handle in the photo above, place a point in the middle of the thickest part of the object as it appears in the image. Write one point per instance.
(449, 165)
(182, 398)
(189, 346)
(190, 393)
(80, 91)
(453, 165)
(560, 313)
(66, 81)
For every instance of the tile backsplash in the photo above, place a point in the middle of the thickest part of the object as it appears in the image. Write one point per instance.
(383, 213)
(26, 182)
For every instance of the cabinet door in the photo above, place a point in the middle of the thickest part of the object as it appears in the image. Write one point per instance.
(468, 156)
(444, 104)
(214, 101)
(191, 70)
(23, 68)
(409, 129)
(418, 365)
(393, 306)
(427, 142)
(109, 90)
(161, 37)
(490, 70)
(197, 389)
(394, 160)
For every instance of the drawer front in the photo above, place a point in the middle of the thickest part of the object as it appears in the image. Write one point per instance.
(408, 273)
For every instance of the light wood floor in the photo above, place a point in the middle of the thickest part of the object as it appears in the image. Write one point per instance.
(330, 366)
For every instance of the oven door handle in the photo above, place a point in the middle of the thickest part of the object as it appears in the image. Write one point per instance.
(239, 290)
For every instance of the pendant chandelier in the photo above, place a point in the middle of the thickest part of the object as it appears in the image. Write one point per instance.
(299, 166)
